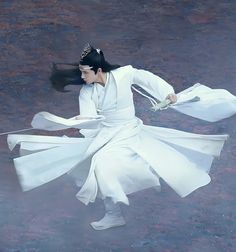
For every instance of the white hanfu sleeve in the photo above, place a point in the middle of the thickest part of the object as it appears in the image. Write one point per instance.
(212, 105)
(151, 83)
(87, 107)
(198, 101)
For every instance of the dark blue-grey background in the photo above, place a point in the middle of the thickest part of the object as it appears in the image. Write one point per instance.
(182, 41)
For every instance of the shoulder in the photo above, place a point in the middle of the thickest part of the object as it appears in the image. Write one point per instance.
(123, 72)
(123, 69)
(86, 90)
(123, 75)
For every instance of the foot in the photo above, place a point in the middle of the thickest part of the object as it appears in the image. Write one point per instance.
(108, 221)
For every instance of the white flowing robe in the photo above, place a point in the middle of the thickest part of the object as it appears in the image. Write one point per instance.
(121, 155)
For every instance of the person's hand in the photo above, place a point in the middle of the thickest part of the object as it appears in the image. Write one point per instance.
(172, 97)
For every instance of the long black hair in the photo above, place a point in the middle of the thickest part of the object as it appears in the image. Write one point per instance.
(72, 76)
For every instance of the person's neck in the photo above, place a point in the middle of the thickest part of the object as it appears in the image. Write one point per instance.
(102, 78)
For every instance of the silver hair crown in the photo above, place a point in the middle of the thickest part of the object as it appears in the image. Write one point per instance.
(87, 49)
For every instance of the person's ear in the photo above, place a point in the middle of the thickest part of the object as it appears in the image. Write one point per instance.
(99, 70)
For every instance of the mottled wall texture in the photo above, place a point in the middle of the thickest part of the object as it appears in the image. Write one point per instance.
(183, 41)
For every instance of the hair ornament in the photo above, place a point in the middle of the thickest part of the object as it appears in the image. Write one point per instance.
(98, 50)
(87, 49)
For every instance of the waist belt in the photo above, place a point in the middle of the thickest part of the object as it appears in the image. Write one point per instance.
(116, 117)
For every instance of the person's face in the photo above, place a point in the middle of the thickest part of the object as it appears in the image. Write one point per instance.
(87, 74)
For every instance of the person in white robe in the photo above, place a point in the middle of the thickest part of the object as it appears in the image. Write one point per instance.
(120, 155)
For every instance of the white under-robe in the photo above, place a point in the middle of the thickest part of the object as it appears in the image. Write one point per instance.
(122, 155)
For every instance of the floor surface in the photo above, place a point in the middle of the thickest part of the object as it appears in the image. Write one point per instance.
(182, 41)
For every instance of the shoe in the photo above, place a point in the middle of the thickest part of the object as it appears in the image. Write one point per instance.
(112, 218)
(108, 221)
